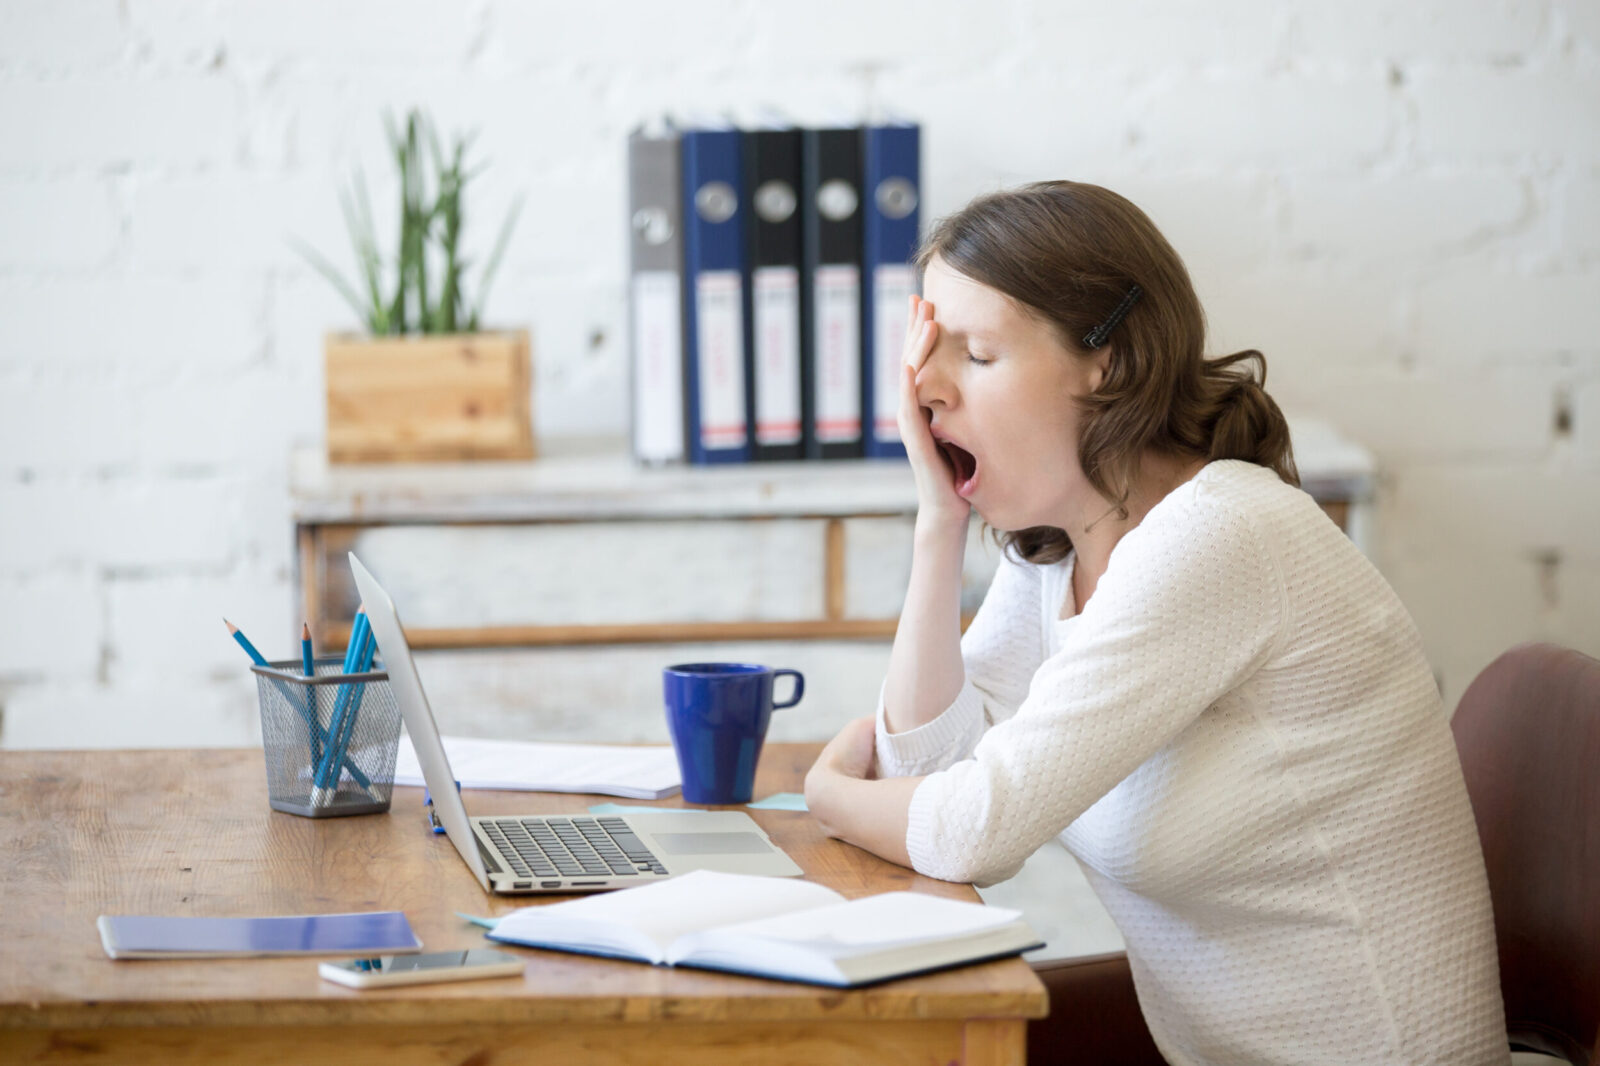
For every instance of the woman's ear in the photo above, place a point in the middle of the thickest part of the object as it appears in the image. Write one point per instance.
(1099, 366)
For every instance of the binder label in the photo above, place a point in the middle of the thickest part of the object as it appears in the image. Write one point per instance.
(892, 288)
(720, 324)
(838, 353)
(776, 302)
(658, 366)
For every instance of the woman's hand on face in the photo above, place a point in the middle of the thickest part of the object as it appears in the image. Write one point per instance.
(936, 490)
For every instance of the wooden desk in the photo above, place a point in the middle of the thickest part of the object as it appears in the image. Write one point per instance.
(189, 832)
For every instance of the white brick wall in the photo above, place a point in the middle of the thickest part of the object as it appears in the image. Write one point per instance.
(1400, 204)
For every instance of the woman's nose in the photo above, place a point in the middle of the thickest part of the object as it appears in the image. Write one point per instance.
(933, 382)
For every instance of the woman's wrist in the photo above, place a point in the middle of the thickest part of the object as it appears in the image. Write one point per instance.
(935, 529)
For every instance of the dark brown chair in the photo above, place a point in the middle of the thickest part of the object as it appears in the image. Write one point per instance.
(1528, 730)
(1094, 1015)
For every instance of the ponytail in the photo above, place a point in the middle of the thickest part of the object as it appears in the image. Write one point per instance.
(1243, 422)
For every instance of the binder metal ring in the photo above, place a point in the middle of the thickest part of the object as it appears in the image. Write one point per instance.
(654, 224)
(775, 201)
(715, 201)
(836, 200)
(896, 197)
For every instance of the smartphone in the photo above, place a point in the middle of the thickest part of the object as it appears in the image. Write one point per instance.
(381, 971)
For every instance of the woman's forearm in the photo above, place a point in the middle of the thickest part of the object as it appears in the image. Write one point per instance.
(871, 814)
(925, 672)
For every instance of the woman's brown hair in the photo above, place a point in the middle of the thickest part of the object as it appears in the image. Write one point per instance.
(1069, 254)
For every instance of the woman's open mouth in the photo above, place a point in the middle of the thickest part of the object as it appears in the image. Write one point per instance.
(964, 465)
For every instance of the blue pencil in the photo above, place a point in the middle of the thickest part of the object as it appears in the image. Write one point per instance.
(309, 663)
(244, 642)
(293, 700)
(352, 658)
(352, 709)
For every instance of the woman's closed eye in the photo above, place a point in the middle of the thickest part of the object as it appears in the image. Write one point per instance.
(978, 360)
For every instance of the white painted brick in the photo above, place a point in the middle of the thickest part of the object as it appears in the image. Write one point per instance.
(525, 123)
(1402, 417)
(1581, 21)
(1284, 122)
(172, 712)
(1469, 607)
(305, 308)
(240, 423)
(161, 625)
(55, 38)
(630, 95)
(1306, 321)
(51, 625)
(104, 122)
(1574, 621)
(167, 522)
(69, 223)
(835, 35)
(569, 227)
(695, 33)
(1402, 217)
(1154, 35)
(1220, 225)
(51, 426)
(965, 150)
(260, 36)
(1466, 317)
(42, 524)
(579, 387)
(1585, 402)
(1578, 214)
(1549, 113)
(230, 221)
(145, 326)
(127, 522)
(1499, 511)
(182, 35)
(1431, 30)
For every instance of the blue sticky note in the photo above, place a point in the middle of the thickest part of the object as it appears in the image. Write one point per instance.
(487, 923)
(781, 801)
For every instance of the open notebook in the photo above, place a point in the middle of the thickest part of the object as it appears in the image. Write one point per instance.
(774, 927)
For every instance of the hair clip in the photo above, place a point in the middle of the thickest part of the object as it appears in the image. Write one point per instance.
(1097, 336)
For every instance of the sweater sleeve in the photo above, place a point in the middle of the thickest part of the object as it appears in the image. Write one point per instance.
(1188, 608)
(1000, 650)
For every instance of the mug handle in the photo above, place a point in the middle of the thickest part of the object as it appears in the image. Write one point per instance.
(799, 688)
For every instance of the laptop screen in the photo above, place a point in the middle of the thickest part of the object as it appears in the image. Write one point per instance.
(407, 687)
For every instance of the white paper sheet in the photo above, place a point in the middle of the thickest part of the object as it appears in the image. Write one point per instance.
(520, 766)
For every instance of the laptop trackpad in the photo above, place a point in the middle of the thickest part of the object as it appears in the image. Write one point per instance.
(711, 843)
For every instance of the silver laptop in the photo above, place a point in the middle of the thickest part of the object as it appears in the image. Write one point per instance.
(559, 852)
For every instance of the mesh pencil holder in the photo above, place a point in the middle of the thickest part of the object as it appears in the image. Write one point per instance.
(330, 740)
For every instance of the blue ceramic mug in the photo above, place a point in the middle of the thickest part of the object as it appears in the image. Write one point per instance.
(718, 715)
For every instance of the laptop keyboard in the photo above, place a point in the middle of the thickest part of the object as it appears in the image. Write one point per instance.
(571, 847)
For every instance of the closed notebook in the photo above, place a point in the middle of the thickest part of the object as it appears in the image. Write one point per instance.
(774, 927)
(158, 937)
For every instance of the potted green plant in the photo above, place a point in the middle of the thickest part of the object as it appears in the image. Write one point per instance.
(425, 381)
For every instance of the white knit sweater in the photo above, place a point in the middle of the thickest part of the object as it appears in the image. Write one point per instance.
(1241, 742)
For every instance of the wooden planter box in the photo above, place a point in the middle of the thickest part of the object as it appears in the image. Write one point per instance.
(422, 399)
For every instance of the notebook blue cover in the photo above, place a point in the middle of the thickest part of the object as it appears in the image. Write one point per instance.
(156, 937)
